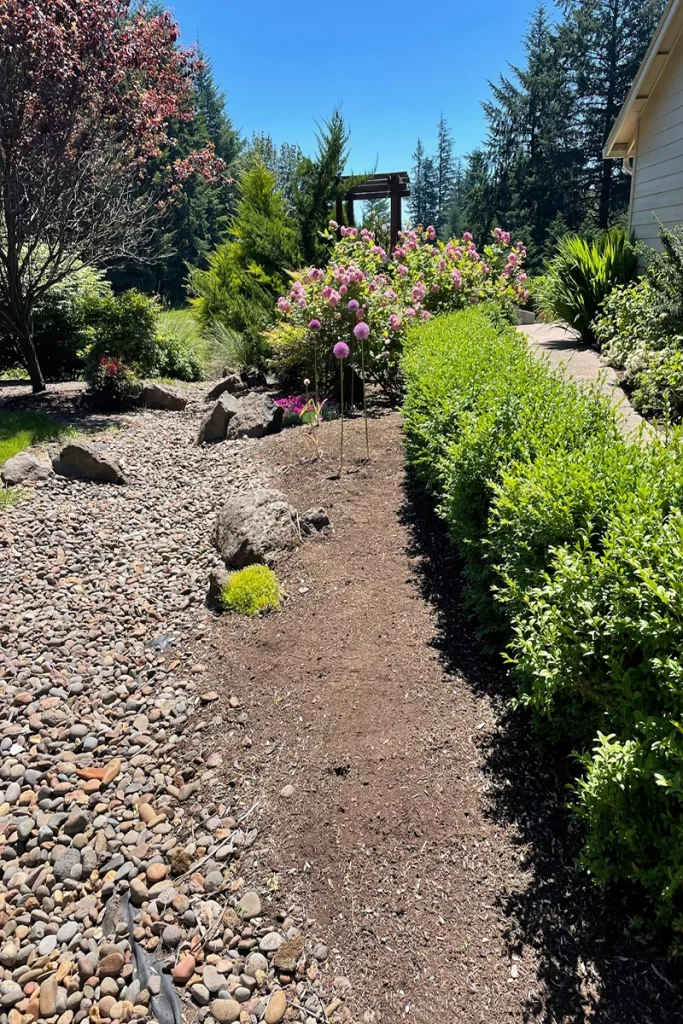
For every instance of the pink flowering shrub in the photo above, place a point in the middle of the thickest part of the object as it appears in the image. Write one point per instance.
(386, 293)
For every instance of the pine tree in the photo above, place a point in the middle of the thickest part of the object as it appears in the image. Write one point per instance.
(317, 185)
(424, 188)
(607, 40)
(533, 145)
(445, 168)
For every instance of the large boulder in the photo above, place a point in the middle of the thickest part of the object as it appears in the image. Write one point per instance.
(256, 416)
(24, 468)
(256, 526)
(160, 396)
(214, 426)
(231, 384)
(85, 461)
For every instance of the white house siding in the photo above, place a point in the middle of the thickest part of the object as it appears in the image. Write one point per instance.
(658, 173)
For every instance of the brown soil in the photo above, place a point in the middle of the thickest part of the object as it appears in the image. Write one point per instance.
(425, 835)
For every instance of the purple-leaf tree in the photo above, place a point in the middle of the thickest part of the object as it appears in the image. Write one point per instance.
(87, 91)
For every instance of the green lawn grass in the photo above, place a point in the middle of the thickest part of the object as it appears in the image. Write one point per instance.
(19, 430)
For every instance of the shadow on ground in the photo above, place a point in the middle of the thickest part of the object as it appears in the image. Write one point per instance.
(593, 967)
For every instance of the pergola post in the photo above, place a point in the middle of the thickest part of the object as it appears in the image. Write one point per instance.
(393, 186)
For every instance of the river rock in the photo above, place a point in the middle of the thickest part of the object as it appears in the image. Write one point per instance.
(255, 526)
(85, 461)
(225, 1011)
(277, 1007)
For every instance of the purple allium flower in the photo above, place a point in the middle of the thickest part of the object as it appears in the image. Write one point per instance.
(306, 382)
(467, 237)
(361, 331)
(352, 306)
(341, 350)
(314, 325)
(333, 225)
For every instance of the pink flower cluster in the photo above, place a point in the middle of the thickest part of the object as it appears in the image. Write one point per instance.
(384, 293)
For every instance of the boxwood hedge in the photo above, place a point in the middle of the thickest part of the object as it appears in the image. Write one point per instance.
(574, 535)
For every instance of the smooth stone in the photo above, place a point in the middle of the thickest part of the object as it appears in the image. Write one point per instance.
(225, 1011)
(277, 1007)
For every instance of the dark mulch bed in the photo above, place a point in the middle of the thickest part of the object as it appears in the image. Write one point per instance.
(426, 834)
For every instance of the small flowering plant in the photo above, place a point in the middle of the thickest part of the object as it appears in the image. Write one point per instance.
(368, 297)
(111, 383)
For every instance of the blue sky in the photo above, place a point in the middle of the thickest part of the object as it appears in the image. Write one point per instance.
(391, 66)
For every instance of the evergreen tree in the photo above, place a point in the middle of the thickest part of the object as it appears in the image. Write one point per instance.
(246, 272)
(607, 40)
(445, 169)
(317, 185)
(534, 161)
(424, 188)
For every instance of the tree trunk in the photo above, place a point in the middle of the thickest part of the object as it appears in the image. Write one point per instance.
(31, 359)
(605, 194)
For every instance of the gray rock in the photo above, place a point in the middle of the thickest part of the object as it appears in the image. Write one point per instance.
(231, 384)
(249, 904)
(256, 416)
(10, 993)
(255, 526)
(215, 424)
(201, 994)
(213, 979)
(84, 461)
(217, 581)
(24, 468)
(67, 932)
(160, 396)
(314, 520)
(270, 942)
(68, 865)
(255, 962)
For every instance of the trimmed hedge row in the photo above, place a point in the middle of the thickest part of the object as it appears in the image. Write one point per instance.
(574, 536)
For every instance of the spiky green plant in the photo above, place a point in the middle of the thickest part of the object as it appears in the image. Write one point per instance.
(582, 274)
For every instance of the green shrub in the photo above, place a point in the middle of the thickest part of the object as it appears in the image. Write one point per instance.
(251, 590)
(60, 326)
(577, 536)
(582, 274)
(477, 402)
(124, 327)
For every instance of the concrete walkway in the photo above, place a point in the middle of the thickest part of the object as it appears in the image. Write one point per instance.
(561, 344)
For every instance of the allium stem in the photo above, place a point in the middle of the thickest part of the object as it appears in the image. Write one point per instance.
(315, 368)
(341, 452)
(365, 404)
(352, 374)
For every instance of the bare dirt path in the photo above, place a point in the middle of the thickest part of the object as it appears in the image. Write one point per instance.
(424, 835)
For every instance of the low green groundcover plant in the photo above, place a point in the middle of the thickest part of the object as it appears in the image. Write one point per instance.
(574, 536)
(251, 590)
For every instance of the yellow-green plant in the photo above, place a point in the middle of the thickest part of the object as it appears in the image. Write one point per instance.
(251, 590)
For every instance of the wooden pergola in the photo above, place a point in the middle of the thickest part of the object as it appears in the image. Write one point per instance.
(394, 187)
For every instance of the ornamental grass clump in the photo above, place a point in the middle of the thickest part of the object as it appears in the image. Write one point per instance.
(251, 591)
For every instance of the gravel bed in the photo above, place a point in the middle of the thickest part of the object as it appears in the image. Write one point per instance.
(122, 864)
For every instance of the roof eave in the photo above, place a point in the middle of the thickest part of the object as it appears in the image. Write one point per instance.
(622, 138)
